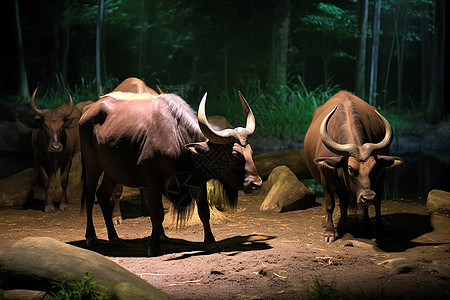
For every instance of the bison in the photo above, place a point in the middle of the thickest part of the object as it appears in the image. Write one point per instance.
(157, 143)
(346, 149)
(54, 140)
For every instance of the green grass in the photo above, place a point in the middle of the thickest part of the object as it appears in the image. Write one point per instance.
(282, 112)
(86, 289)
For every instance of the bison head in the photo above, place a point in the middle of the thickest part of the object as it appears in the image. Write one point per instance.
(50, 124)
(360, 167)
(226, 155)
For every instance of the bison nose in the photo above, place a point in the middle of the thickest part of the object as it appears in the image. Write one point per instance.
(367, 196)
(253, 184)
(55, 147)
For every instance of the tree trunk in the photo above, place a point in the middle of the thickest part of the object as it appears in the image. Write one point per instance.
(426, 59)
(98, 43)
(374, 54)
(388, 70)
(23, 94)
(280, 41)
(360, 85)
(436, 102)
(142, 39)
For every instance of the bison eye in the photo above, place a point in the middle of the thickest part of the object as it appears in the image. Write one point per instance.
(351, 171)
(236, 154)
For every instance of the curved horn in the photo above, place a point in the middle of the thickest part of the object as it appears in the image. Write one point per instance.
(217, 137)
(37, 111)
(67, 111)
(370, 147)
(339, 149)
(226, 136)
(251, 122)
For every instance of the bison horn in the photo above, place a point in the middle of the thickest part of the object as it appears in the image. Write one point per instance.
(68, 110)
(339, 149)
(37, 110)
(227, 135)
(360, 153)
(379, 147)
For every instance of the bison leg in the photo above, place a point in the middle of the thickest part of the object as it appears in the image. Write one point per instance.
(330, 233)
(343, 205)
(153, 195)
(204, 215)
(89, 186)
(104, 194)
(116, 214)
(45, 180)
(378, 220)
(63, 205)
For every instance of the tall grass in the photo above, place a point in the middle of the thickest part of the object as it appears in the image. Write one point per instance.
(281, 111)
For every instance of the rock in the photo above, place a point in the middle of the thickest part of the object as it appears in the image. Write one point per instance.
(293, 159)
(403, 269)
(438, 201)
(42, 263)
(129, 290)
(441, 268)
(285, 192)
(25, 295)
(16, 189)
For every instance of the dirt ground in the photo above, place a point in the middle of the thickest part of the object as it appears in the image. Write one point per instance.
(265, 255)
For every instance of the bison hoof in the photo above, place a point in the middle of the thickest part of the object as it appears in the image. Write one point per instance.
(329, 237)
(117, 220)
(91, 241)
(63, 207)
(116, 241)
(50, 208)
(212, 248)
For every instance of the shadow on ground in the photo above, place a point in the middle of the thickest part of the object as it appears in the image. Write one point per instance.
(400, 230)
(138, 247)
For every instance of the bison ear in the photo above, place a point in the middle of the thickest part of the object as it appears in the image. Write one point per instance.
(386, 161)
(71, 123)
(198, 148)
(30, 122)
(332, 162)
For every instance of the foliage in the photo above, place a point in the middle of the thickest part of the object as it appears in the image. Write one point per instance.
(281, 111)
(86, 289)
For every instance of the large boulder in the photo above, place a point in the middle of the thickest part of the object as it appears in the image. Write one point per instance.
(17, 190)
(293, 159)
(438, 201)
(41, 263)
(285, 192)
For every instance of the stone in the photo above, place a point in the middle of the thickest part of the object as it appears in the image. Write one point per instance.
(441, 268)
(285, 192)
(438, 202)
(293, 159)
(129, 290)
(42, 263)
(20, 294)
(16, 188)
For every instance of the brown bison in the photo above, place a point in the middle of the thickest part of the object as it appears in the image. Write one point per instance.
(159, 144)
(346, 149)
(55, 140)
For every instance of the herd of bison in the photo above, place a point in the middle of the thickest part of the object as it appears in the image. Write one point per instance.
(157, 145)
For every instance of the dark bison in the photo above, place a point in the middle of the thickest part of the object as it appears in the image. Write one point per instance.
(54, 139)
(346, 149)
(136, 86)
(157, 143)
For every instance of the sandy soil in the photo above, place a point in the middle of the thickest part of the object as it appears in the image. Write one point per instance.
(265, 255)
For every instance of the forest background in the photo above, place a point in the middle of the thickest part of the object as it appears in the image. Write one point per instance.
(286, 56)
